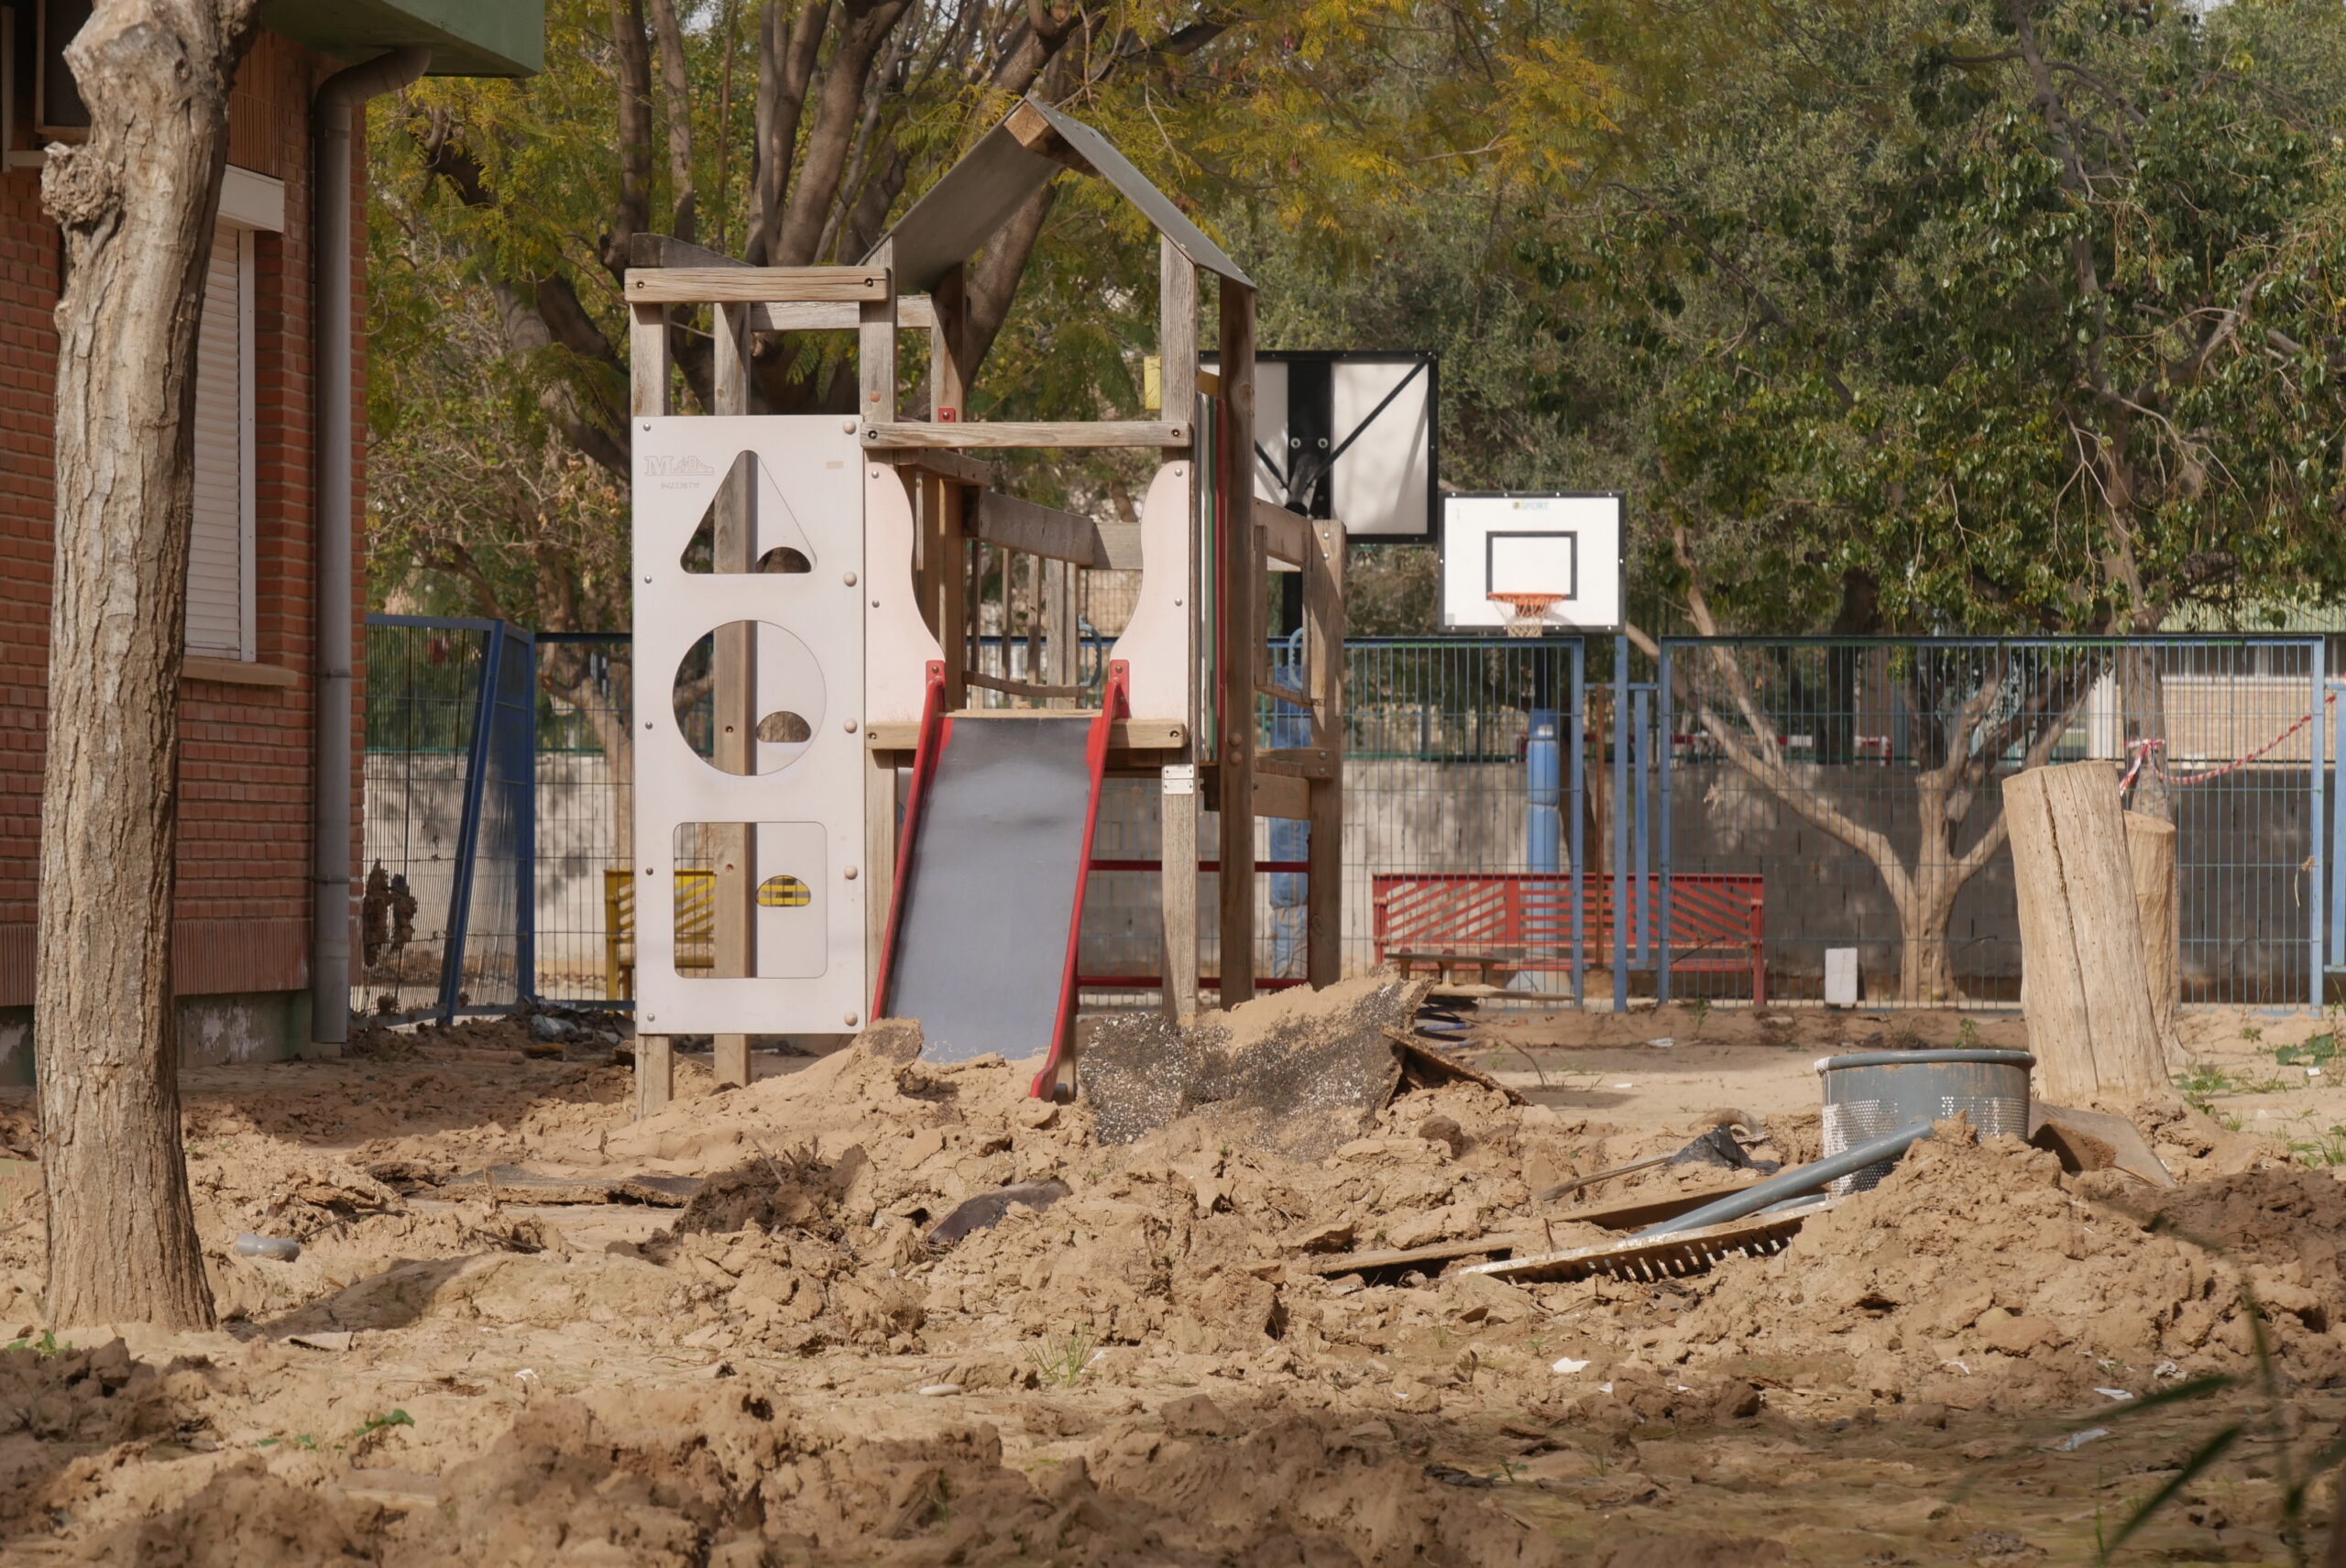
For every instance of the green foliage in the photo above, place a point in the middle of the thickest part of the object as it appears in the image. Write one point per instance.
(48, 1345)
(1062, 1359)
(2318, 1051)
(1978, 318)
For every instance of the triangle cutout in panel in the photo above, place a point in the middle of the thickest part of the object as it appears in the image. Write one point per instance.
(752, 526)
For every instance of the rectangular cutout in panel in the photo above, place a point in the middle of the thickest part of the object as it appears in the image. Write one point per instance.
(775, 878)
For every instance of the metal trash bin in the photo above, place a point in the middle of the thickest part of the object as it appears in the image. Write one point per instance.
(1874, 1092)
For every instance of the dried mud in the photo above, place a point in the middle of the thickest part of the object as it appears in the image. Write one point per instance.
(1149, 1367)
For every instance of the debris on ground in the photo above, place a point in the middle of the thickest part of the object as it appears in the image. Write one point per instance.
(890, 1310)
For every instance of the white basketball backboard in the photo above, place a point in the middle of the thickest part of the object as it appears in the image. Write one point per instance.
(1349, 436)
(1568, 546)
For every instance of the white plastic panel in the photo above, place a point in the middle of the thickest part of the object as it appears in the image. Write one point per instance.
(810, 813)
(1155, 641)
(898, 642)
(1562, 544)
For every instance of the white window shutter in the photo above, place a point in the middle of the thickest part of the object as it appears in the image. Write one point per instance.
(220, 554)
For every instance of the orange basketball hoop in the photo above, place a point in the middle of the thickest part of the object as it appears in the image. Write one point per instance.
(1527, 614)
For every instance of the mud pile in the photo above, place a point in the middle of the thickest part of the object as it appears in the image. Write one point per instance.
(735, 1476)
(1978, 1276)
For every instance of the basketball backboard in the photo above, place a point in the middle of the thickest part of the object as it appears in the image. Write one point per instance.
(1350, 436)
(1531, 545)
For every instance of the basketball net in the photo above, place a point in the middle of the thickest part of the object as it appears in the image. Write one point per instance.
(1527, 614)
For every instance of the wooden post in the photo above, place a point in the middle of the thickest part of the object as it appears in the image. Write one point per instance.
(2085, 993)
(1323, 665)
(1239, 560)
(947, 380)
(876, 401)
(733, 684)
(648, 379)
(2150, 852)
(1177, 801)
(953, 593)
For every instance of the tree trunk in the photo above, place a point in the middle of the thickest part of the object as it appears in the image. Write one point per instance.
(2084, 991)
(2150, 852)
(2142, 711)
(136, 202)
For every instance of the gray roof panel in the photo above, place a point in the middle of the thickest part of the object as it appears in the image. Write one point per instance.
(958, 214)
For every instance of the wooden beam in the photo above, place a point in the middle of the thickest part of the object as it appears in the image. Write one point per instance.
(733, 670)
(754, 285)
(991, 435)
(949, 337)
(1324, 674)
(1123, 734)
(914, 310)
(1054, 535)
(1297, 762)
(647, 364)
(1240, 568)
(945, 465)
(663, 250)
(1287, 536)
(1037, 136)
(1177, 886)
(1176, 331)
(1280, 795)
(647, 379)
(1038, 690)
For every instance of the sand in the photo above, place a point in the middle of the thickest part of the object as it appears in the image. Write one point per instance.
(1149, 1365)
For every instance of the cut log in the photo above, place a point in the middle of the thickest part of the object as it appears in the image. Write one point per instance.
(2150, 848)
(2085, 992)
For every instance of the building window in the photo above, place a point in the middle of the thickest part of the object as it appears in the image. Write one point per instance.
(220, 566)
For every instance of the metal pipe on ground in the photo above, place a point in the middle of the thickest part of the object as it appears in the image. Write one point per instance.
(1809, 1177)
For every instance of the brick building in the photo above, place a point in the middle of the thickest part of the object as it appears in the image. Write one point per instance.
(245, 951)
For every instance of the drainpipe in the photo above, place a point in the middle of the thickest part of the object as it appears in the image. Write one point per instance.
(338, 98)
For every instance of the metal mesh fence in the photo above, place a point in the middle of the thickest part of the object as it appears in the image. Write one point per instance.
(1745, 808)
(586, 816)
(423, 703)
(1861, 781)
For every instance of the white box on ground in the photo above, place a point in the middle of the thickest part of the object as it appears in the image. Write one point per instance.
(1840, 976)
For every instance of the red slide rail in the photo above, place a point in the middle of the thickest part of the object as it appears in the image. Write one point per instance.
(925, 753)
(1113, 704)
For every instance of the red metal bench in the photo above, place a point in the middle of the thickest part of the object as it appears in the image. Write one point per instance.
(1507, 922)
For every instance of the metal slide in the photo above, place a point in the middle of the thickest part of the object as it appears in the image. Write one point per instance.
(989, 876)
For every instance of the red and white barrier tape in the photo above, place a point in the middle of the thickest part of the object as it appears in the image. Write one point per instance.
(2146, 751)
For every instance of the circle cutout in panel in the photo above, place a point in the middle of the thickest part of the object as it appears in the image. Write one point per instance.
(749, 698)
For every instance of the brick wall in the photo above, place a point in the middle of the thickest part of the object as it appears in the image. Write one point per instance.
(246, 749)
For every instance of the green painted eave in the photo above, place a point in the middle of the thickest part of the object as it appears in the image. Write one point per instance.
(467, 38)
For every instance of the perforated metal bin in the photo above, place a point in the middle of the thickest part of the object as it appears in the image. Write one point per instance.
(1874, 1092)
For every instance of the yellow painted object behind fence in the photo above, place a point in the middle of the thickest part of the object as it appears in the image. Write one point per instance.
(695, 927)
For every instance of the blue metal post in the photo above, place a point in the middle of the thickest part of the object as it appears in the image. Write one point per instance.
(2337, 834)
(1620, 825)
(1641, 743)
(2315, 752)
(460, 886)
(1291, 725)
(525, 827)
(1667, 741)
(1543, 779)
(1580, 813)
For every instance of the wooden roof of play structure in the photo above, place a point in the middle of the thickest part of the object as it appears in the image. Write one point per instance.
(1011, 162)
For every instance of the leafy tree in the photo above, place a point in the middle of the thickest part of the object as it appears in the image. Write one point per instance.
(2014, 316)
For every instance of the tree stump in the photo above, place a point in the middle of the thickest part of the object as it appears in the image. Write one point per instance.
(2151, 849)
(2085, 991)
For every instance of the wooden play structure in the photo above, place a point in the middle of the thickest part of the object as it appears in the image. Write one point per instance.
(813, 593)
